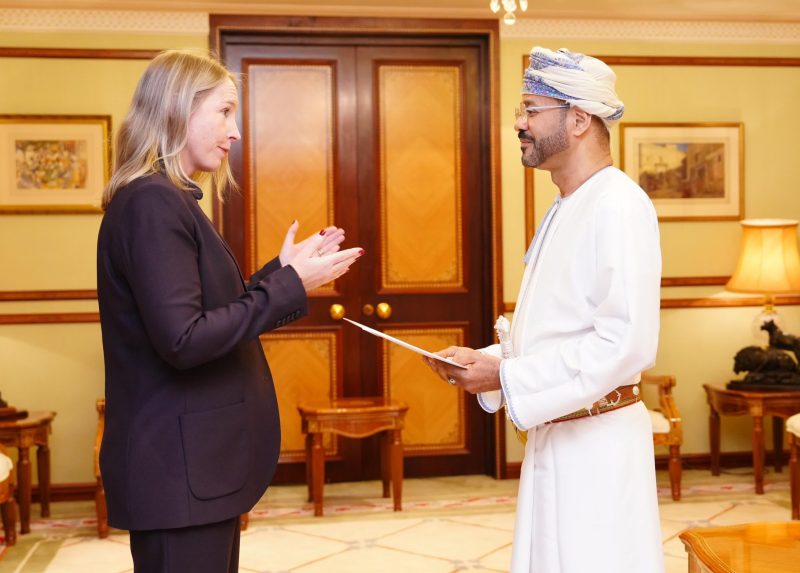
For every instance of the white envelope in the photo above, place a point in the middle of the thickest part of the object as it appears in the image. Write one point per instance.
(416, 349)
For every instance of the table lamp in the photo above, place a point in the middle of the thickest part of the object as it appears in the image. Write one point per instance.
(769, 264)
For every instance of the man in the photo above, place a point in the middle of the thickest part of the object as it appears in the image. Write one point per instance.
(585, 327)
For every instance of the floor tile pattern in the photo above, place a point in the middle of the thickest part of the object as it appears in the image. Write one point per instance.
(447, 525)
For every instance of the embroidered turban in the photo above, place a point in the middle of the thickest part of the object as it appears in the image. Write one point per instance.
(581, 80)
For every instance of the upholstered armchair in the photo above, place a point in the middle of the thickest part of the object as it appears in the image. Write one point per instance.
(793, 428)
(667, 430)
(100, 492)
(8, 507)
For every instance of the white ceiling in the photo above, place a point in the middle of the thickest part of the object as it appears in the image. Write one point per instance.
(697, 10)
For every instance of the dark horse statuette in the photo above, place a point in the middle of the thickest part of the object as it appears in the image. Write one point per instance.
(771, 368)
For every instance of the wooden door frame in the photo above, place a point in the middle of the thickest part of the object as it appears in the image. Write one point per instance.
(223, 27)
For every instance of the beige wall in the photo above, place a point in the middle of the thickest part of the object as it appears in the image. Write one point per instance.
(59, 367)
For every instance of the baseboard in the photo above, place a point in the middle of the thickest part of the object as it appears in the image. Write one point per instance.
(688, 462)
(67, 492)
(85, 491)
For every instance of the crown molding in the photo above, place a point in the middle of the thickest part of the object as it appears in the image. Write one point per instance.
(656, 31)
(114, 21)
(196, 23)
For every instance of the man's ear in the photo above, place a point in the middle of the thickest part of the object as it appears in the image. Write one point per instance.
(580, 122)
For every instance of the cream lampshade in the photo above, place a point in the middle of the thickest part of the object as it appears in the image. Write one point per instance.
(769, 263)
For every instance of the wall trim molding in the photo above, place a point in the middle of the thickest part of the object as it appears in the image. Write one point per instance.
(50, 318)
(78, 53)
(678, 31)
(704, 302)
(103, 21)
(38, 295)
(195, 21)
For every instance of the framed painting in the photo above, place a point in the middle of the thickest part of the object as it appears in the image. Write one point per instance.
(691, 171)
(53, 163)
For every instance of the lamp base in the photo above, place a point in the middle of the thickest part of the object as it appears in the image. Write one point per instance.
(767, 314)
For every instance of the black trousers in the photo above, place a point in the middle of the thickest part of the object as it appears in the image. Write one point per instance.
(211, 548)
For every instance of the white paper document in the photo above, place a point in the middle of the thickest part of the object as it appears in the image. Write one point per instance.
(416, 349)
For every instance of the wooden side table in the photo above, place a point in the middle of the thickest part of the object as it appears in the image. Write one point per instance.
(22, 434)
(748, 548)
(779, 405)
(354, 418)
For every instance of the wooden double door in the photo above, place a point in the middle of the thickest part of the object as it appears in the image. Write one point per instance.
(386, 137)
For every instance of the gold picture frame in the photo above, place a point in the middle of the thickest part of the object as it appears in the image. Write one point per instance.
(53, 163)
(691, 171)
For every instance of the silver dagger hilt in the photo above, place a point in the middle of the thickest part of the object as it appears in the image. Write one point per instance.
(503, 329)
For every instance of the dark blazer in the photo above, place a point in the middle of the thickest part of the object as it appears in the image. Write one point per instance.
(192, 433)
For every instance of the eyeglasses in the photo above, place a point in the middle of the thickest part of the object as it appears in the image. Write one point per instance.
(531, 111)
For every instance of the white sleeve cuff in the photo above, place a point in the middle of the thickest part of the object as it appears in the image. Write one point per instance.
(509, 406)
(491, 401)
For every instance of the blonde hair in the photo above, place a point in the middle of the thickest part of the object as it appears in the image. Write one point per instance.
(154, 132)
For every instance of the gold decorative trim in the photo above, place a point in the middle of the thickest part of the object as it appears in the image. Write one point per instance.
(656, 30)
(103, 21)
(457, 108)
(442, 448)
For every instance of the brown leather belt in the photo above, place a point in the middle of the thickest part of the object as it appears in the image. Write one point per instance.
(614, 400)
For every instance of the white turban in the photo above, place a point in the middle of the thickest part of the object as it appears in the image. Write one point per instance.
(581, 80)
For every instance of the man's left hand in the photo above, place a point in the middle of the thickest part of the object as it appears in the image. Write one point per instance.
(481, 375)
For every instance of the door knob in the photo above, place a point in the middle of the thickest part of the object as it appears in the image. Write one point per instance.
(384, 310)
(368, 309)
(336, 311)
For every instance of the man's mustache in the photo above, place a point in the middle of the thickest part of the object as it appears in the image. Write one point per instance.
(524, 136)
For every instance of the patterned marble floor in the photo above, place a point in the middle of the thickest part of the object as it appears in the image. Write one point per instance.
(447, 525)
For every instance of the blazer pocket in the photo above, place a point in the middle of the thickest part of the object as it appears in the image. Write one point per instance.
(216, 448)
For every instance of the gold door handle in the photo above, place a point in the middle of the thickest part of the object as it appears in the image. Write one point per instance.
(336, 311)
(368, 309)
(384, 310)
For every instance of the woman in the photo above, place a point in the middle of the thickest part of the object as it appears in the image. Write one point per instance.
(192, 433)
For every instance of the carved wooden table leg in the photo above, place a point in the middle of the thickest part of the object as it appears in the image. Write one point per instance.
(777, 442)
(794, 475)
(396, 455)
(386, 469)
(309, 472)
(317, 471)
(758, 452)
(43, 473)
(24, 488)
(713, 437)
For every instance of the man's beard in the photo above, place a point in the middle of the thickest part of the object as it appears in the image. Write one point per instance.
(543, 148)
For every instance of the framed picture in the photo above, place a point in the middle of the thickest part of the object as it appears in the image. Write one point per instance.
(691, 171)
(53, 163)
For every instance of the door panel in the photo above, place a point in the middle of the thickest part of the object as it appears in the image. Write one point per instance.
(383, 140)
(436, 419)
(287, 99)
(417, 112)
(420, 184)
(305, 366)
